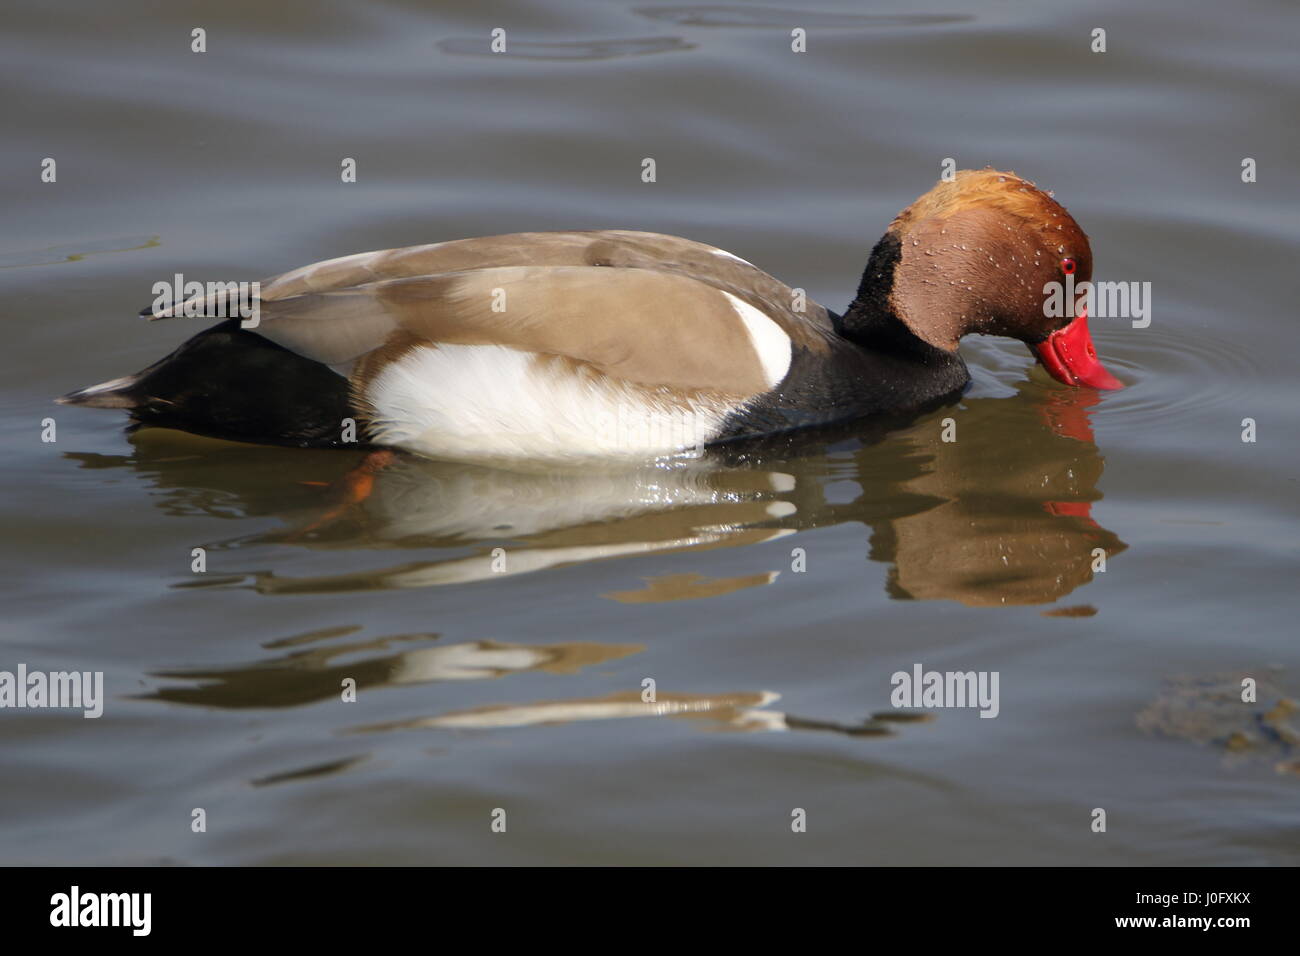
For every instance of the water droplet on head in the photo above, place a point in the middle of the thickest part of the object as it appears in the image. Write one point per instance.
(1060, 248)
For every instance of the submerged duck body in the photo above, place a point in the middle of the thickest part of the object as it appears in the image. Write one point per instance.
(609, 343)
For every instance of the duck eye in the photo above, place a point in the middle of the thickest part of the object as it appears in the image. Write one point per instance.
(1067, 266)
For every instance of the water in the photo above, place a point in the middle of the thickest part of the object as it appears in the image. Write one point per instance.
(520, 688)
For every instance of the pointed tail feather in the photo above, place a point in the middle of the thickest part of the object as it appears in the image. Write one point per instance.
(115, 393)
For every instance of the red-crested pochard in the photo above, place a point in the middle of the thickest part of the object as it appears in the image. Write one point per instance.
(573, 344)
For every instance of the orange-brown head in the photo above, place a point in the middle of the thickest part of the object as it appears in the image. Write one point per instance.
(977, 255)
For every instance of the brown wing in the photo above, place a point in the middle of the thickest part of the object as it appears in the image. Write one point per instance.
(612, 249)
(651, 328)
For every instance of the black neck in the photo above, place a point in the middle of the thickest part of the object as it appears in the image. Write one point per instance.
(870, 320)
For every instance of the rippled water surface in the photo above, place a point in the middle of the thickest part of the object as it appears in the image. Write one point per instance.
(769, 596)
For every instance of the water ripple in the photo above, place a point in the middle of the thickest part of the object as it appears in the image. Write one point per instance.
(1170, 372)
(570, 50)
(75, 251)
(735, 16)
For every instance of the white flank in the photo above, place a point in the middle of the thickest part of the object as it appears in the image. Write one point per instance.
(769, 340)
(486, 402)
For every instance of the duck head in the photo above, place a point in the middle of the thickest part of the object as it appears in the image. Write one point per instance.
(977, 255)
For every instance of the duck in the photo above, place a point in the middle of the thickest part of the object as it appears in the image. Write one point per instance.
(615, 343)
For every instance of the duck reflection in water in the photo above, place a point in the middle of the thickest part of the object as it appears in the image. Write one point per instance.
(999, 516)
(308, 668)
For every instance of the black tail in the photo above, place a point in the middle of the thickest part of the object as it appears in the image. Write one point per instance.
(228, 382)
